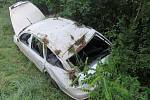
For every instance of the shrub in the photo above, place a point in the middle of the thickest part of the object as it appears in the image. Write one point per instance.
(112, 85)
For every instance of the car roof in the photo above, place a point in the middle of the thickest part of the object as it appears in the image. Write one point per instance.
(61, 33)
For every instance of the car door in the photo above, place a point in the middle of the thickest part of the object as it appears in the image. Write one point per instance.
(37, 53)
(55, 68)
(23, 42)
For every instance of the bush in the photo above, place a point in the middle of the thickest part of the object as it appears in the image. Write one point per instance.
(113, 85)
(131, 51)
(99, 14)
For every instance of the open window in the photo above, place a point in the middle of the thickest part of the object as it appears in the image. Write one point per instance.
(24, 38)
(52, 59)
(37, 46)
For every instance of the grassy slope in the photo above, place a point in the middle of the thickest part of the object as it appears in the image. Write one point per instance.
(19, 78)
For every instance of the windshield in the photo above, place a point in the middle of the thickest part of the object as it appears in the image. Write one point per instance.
(96, 48)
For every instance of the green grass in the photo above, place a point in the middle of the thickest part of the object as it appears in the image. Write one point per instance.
(19, 78)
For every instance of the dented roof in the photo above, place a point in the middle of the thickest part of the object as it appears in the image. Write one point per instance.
(62, 34)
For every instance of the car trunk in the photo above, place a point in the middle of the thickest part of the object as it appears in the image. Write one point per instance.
(23, 14)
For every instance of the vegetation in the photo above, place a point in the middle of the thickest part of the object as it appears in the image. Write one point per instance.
(126, 75)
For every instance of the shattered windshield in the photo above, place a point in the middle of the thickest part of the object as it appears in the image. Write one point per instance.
(96, 48)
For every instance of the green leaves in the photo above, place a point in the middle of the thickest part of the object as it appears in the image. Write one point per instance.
(112, 85)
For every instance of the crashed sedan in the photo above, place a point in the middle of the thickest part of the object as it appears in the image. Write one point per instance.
(58, 46)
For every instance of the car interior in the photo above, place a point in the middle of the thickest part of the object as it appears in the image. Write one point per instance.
(24, 38)
(52, 59)
(37, 46)
(96, 48)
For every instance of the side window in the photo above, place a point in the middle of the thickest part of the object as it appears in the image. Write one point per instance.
(24, 38)
(52, 59)
(37, 46)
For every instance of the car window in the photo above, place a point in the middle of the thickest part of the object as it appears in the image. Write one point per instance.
(25, 37)
(37, 46)
(95, 49)
(52, 59)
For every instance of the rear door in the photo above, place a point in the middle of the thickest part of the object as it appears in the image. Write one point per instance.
(24, 14)
(37, 53)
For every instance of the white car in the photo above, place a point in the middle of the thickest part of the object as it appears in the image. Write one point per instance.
(58, 46)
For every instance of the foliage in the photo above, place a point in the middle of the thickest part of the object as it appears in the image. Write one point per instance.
(131, 50)
(113, 85)
(130, 58)
(100, 14)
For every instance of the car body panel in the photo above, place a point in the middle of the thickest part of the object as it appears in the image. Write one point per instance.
(64, 82)
(24, 14)
(37, 60)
